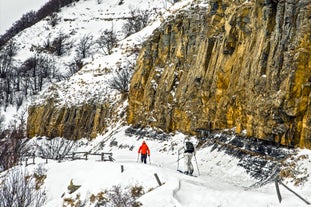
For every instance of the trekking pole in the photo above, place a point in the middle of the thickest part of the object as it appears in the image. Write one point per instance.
(178, 161)
(137, 157)
(195, 158)
(149, 159)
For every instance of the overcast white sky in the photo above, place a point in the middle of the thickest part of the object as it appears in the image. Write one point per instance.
(12, 10)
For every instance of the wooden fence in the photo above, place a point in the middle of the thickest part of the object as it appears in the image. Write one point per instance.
(104, 156)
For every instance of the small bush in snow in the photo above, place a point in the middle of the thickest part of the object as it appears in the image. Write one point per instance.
(84, 46)
(12, 147)
(107, 41)
(137, 191)
(74, 202)
(122, 198)
(121, 81)
(57, 148)
(137, 21)
(18, 189)
(99, 199)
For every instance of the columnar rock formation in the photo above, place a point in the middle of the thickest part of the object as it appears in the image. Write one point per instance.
(73, 122)
(238, 64)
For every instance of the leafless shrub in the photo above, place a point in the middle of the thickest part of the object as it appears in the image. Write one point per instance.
(54, 19)
(120, 81)
(18, 190)
(2, 119)
(137, 21)
(74, 66)
(57, 148)
(107, 41)
(60, 44)
(84, 46)
(11, 48)
(114, 197)
(12, 147)
(122, 198)
(74, 202)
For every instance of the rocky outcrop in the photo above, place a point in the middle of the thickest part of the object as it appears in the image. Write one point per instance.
(238, 64)
(73, 122)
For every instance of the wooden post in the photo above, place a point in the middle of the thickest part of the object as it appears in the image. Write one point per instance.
(278, 190)
(157, 178)
(122, 168)
(26, 162)
(102, 157)
(73, 156)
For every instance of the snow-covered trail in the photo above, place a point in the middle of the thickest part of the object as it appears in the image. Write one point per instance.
(217, 185)
(221, 183)
(208, 189)
(177, 189)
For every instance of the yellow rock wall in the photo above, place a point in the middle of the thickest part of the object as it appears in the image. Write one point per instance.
(70, 122)
(236, 64)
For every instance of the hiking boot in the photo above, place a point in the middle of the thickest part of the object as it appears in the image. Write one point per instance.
(186, 172)
(191, 172)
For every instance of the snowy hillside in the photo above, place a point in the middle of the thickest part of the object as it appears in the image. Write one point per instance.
(76, 24)
(91, 82)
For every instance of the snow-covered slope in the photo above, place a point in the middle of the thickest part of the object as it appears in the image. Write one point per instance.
(80, 19)
(218, 180)
(91, 18)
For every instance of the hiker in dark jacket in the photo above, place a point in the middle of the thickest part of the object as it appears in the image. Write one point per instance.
(189, 151)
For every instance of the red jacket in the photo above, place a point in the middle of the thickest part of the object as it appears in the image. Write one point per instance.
(144, 149)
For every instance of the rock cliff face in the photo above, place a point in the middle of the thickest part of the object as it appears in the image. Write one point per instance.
(238, 64)
(73, 122)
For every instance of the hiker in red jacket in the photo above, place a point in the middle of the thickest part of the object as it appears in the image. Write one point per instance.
(144, 151)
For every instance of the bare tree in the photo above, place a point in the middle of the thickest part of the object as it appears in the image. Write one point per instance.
(6, 70)
(6, 81)
(54, 19)
(2, 119)
(5, 63)
(18, 189)
(57, 148)
(121, 81)
(11, 48)
(136, 22)
(60, 44)
(107, 41)
(85, 45)
(35, 72)
(12, 147)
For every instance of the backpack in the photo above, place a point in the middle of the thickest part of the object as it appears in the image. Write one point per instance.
(189, 147)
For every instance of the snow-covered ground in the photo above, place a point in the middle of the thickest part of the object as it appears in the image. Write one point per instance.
(218, 180)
